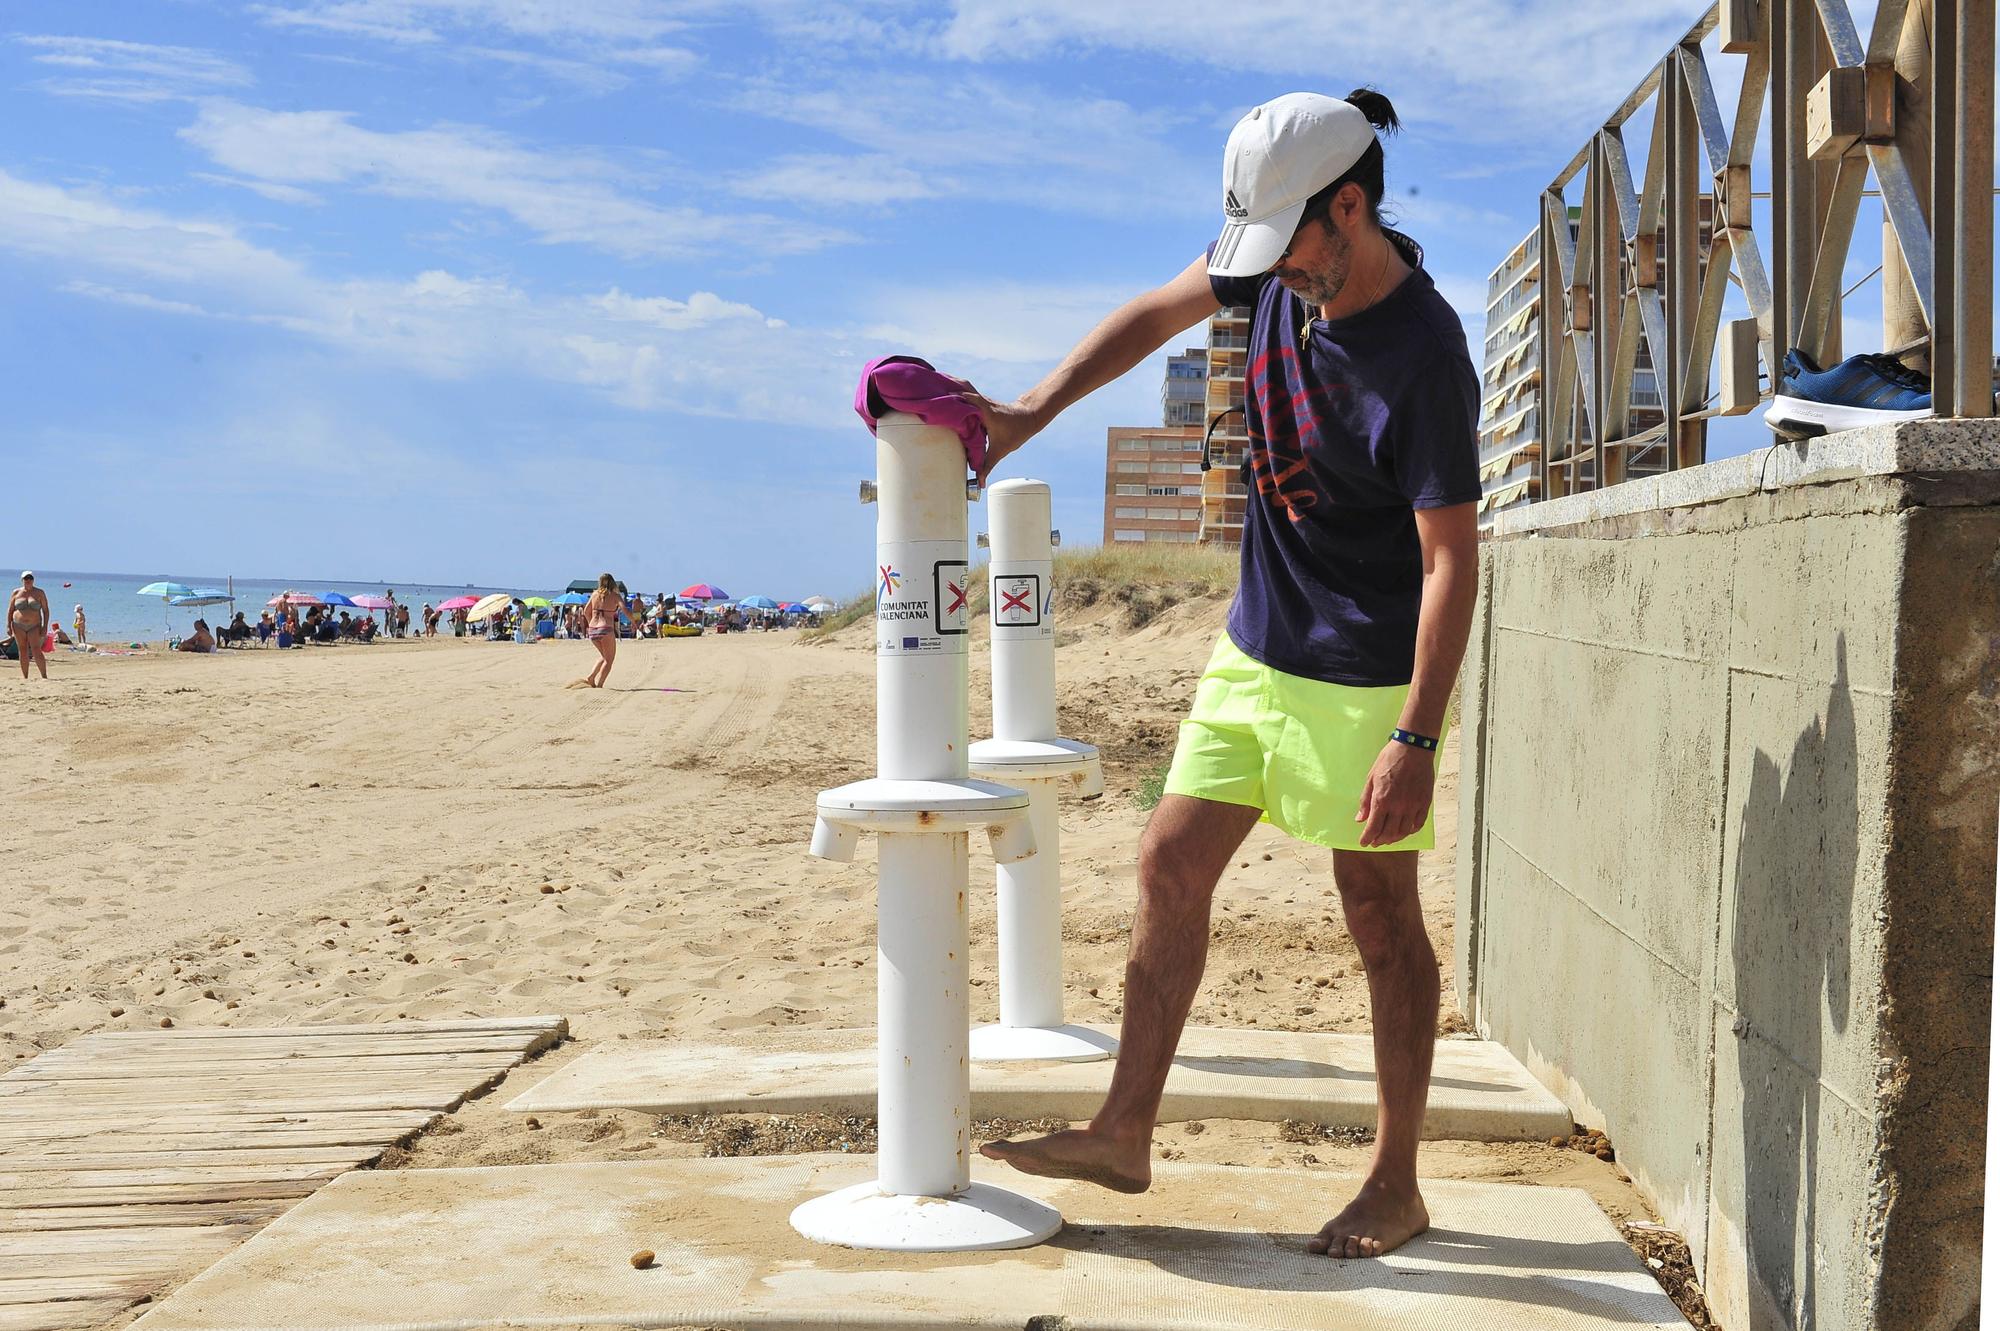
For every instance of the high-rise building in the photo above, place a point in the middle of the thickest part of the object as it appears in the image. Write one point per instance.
(1152, 483)
(1222, 492)
(1183, 392)
(1510, 425)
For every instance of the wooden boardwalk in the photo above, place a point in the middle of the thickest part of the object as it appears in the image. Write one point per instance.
(129, 1160)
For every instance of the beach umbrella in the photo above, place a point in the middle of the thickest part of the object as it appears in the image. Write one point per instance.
(704, 591)
(572, 598)
(202, 597)
(374, 602)
(166, 589)
(758, 603)
(336, 599)
(539, 602)
(791, 608)
(459, 603)
(488, 606)
(294, 598)
(817, 603)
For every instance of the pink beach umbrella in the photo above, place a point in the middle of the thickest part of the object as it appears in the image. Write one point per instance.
(294, 598)
(704, 591)
(373, 602)
(459, 603)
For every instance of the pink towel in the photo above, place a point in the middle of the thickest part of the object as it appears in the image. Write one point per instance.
(905, 383)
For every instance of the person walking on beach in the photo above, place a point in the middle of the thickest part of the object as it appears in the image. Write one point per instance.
(28, 622)
(600, 625)
(1323, 704)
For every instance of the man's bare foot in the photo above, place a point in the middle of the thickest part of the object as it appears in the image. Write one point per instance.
(578, 684)
(1379, 1220)
(1080, 1155)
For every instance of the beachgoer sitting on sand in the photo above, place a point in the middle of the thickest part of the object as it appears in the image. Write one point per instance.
(28, 624)
(1323, 705)
(365, 631)
(265, 628)
(201, 640)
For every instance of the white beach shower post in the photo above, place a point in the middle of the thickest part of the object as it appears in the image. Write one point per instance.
(922, 808)
(1025, 751)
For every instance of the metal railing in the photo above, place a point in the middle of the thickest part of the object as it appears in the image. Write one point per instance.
(1911, 105)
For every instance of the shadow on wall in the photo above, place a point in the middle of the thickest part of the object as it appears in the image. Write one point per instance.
(1794, 892)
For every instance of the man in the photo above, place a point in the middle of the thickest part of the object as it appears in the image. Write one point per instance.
(28, 622)
(1322, 707)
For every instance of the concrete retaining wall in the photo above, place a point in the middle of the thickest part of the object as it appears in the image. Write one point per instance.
(1726, 872)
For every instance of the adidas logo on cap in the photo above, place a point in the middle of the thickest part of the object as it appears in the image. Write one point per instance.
(1231, 208)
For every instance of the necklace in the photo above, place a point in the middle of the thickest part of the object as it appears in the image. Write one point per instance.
(1374, 293)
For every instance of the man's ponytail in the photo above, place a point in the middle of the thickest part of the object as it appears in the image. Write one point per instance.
(1377, 108)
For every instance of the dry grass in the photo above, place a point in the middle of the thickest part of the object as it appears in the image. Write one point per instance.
(1145, 579)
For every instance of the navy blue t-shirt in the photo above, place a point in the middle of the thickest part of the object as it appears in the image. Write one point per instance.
(1375, 418)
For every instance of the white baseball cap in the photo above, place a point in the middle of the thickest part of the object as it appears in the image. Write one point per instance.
(1279, 156)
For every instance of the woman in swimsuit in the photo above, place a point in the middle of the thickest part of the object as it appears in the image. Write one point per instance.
(28, 621)
(600, 625)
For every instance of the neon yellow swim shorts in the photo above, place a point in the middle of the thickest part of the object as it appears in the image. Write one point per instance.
(1299, 749)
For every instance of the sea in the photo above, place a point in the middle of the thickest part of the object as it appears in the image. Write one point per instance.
(116, 613)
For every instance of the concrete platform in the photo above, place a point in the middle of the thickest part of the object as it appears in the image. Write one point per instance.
(551, 1244)
(1479, 1091)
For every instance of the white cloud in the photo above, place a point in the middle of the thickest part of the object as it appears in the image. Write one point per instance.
(129, 71)
(561, 196)
(1485, 68)
(637, 21)
(703, 355)
(699, 309)
(275, 193)
(865, 180)
(1000, 323)
(1001, 139)
(593, 34)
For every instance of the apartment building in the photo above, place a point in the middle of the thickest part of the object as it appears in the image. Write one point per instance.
(1184, 392)
(1152, 483)
(1222, 493)
(1510, 428)
(1510, 447)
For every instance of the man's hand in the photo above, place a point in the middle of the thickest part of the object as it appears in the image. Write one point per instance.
(1008, 426)
(1397, 798)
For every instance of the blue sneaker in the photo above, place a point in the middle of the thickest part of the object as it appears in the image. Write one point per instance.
(1861, 390)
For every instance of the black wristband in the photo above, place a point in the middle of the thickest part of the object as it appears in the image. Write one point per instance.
(1414, 740)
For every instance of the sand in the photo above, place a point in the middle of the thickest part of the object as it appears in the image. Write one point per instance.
(439, 829)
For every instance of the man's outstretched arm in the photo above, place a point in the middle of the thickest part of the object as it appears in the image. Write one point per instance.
(1127, 336)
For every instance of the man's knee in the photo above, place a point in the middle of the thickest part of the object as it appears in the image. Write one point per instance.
(1378, 898)
(1182, 858)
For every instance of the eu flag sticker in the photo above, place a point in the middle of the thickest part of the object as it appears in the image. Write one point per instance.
(910, 644)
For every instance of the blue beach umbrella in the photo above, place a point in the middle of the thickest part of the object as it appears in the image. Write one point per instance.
(792, 608)
(758, 603)
(166, 589)
(571, 598)
(336, 599)
(200, 596)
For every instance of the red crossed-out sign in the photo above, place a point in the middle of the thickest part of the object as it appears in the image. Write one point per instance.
(957, 598)
(1016, 601)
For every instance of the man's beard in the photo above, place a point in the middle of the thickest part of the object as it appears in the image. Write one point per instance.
(1323, 285)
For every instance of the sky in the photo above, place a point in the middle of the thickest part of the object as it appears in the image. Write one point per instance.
(516, 291)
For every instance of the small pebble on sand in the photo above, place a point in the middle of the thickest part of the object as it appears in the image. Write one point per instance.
(642, 1259)
(166, 1022)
